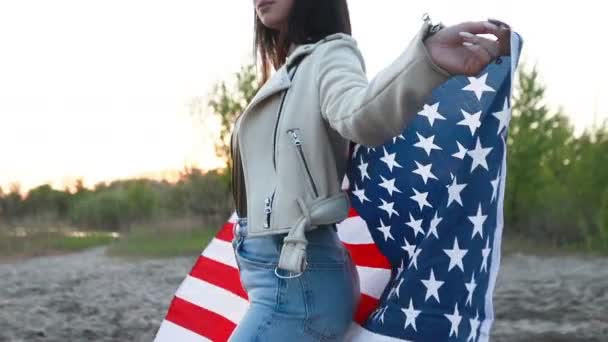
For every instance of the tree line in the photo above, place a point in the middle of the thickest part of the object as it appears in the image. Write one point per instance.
(556, 189)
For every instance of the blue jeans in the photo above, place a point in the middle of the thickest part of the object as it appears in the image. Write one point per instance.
(318, 305)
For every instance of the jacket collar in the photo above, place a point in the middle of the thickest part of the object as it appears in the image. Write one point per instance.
(280, 79)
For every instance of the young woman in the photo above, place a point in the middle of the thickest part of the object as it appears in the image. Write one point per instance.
(290, 150)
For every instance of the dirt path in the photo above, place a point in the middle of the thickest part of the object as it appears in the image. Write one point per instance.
(88, 296)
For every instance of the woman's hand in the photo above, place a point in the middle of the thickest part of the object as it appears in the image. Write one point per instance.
(459, 50)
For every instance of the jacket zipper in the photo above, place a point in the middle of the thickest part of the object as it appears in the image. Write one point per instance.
(268, 209)
(268, 200)
(276, 125)
(298, 143)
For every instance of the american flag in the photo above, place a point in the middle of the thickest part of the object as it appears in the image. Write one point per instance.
(424, 228)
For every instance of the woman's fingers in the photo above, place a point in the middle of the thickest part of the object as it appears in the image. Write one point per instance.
(502, 31)
(504, 36)
(479, 27)
(499, 23)
(491, 46)
(482, 57)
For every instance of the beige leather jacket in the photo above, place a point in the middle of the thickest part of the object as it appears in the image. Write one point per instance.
(294, 135)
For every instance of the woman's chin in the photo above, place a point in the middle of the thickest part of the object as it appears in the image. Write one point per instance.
(270, 22)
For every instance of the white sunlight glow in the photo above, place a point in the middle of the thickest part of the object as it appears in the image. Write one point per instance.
(99, 90)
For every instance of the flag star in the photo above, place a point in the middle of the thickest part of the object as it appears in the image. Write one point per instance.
(456, 254)
(399, 136)
(400, 268)
(424, 171)
(357, 147)
(427, 144)
(454, 192)
(433, 229)
(503, 116)
(389, 159)
(474, 326)
(410, 316)
(479, 155)
(420, 197)
(495, 186)
(432, 287)
(414, 260)
(416, 225)
(389, 185)
(369, 149)
(380, 314)
(485, 253)
(410, 249)
(478, 221)
(478, 86)
(462, 152)
(395, 289)
(431, 113)
(386, 230)
(455, 319)
(360, 193)
(388, 207)
(363, 168)
(470, 288)
(471, 120)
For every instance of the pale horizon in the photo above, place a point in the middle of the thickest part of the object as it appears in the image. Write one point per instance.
(100, 90)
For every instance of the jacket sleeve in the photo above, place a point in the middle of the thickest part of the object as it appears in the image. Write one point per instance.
(371, 112)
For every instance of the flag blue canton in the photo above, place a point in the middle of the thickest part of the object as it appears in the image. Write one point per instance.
(430, 198)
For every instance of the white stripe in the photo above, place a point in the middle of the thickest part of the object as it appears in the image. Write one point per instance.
(486, 324)
(357, 333)
(212, 298)
(233, 217)
(373, 280)
(353, 230)
(345, 181)
(170, 331)
(221, 251)
(516, 46)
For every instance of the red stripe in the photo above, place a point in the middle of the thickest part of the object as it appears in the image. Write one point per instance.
(225, 233)
(352, 212)
(218, 274)
(367, 305)
(368, 255)
(199, 320)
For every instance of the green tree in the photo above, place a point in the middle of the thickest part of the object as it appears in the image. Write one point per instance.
(229, 101)
(12, 206)
(540, 152)
(44, 200)
(589, 181)
(603, 222)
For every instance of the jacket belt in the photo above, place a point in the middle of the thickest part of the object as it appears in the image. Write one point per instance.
(321, 211)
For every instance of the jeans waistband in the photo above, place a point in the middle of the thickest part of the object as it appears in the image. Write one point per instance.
(239, 229)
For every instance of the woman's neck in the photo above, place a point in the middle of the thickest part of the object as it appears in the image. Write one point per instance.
(291, 48)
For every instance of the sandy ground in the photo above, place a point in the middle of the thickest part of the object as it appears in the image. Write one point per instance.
(88, 296)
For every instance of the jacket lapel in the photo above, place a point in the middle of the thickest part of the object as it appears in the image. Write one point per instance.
(278, 82)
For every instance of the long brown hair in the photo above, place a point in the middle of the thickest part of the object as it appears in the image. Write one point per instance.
(308, 22)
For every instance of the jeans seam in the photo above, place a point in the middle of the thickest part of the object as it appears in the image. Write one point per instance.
(309, 307)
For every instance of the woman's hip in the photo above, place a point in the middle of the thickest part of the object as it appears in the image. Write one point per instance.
(323, 298)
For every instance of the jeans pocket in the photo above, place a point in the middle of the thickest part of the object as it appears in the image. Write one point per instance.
(329, 302)
(258, 252)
